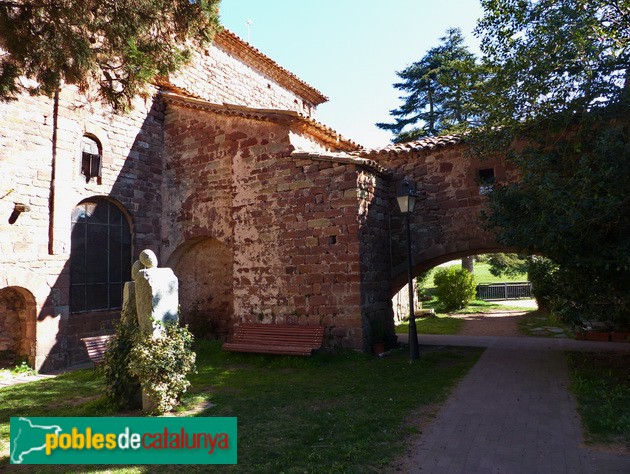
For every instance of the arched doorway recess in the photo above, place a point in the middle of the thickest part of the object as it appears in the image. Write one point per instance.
(17, 325)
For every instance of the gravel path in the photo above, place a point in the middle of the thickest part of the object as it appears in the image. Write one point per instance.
(497, 323)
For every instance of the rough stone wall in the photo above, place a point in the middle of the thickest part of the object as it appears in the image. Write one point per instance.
(446, 221)
(254, 232)
(313, 228)
(219, 76)
(374, 216)
(400, 303)
(290, 223)
(204, 269)
(34, 250)
(13, 314)
(131, 148)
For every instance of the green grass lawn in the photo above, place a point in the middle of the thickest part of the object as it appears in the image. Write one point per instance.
(443, 323)
(475, 306)
(439, 324)
(326, 413)
(482, 276)
(601, 383)
(541, 324)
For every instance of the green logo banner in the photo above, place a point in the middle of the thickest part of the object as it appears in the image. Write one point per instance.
(134, 440)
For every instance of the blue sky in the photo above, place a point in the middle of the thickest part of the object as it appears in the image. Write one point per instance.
(350, 50)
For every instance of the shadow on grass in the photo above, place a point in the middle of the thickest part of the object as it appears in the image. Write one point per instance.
(601, 382)
(542, 324)
(327, 413)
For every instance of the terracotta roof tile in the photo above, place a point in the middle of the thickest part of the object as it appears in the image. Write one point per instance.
(179, 96)
(235, 45)
(428, 143)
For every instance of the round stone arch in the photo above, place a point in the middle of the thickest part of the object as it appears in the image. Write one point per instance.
(437, 258)
(203, 266)
(27, 293)
(92, 130)
(18, 322)
(127, 215)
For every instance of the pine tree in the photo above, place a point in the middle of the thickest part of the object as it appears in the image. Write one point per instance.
(116, 46)
(439, 91)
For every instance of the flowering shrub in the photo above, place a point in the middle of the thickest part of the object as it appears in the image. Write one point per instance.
(162, 364)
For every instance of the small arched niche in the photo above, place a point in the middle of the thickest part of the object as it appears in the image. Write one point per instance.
(17, 325)
(203, 266)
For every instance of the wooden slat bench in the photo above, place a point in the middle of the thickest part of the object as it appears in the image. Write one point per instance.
(289, 339)
(96, 347)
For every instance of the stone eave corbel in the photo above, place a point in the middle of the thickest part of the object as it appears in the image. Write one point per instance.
(344, 158)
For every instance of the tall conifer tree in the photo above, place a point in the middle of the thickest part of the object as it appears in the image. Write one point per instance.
(117, 46)
(438, 91)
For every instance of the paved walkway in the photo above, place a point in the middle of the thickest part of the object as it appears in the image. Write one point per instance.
(8, 380)
(525, 303)
(19, 379)
(512, 413)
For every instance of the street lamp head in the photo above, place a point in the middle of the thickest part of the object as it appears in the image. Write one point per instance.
(406, 196)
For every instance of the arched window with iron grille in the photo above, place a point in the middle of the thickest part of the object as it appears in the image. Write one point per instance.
(100, 256)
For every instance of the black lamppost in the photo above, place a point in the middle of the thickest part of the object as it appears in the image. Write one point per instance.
(406, 201)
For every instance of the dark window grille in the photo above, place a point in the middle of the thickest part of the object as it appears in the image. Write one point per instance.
(100, 256)
(486, 179)
(91, 159)
(91, 166)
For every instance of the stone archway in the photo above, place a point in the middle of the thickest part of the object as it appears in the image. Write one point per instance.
(17, 323)
(203, 266)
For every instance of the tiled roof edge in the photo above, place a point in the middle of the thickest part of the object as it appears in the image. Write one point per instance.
(235, 45)
(428, 143)
(326, 134)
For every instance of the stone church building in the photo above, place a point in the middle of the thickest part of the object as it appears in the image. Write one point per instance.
(263, 213)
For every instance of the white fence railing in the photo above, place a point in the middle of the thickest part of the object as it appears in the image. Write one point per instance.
(504, 291)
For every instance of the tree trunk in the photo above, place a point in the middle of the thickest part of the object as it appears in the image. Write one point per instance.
(468, 263)
(432, 131)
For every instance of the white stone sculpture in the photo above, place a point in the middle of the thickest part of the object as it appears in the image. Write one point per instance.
(156, 290)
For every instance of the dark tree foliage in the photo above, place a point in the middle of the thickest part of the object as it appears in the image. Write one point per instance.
(573, 206)
(550, 57)
(556, 104)
(509, 264)
(438, 90)
(117, 46)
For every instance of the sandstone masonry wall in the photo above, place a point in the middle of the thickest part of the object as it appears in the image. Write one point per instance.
(131, 148)
(289, 224)
(446, 222)
(374, 217)
(219, 76)
(36, 261)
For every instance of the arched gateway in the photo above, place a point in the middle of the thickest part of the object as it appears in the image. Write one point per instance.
(267, 215)
(451, 187)
(306, 227)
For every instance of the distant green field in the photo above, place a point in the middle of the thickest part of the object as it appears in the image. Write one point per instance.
(482, 276)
